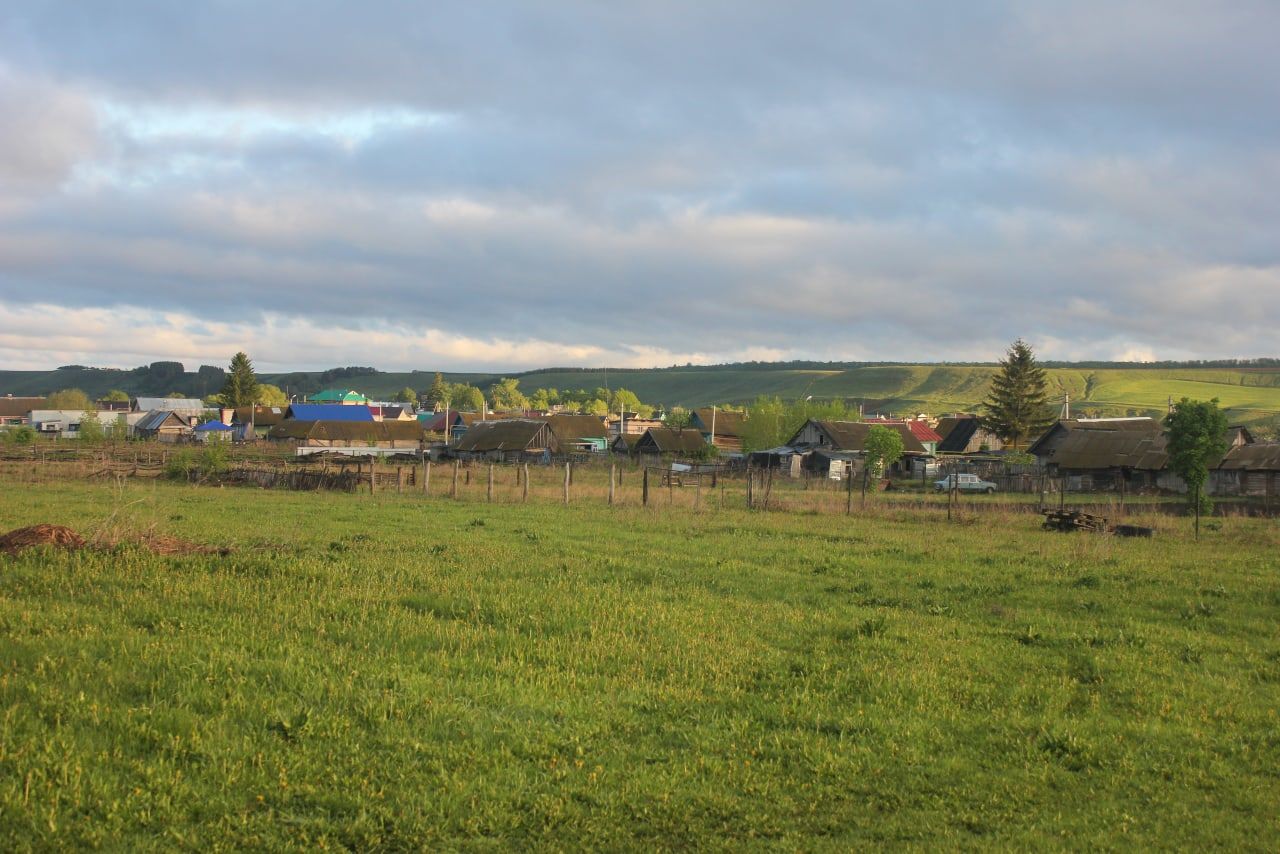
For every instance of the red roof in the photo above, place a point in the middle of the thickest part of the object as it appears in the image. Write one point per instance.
(920, 429)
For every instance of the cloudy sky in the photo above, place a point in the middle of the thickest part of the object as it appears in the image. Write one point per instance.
(484, 185)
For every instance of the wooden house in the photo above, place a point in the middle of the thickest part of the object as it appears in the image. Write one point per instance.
(1248, 469)
(1046, 448)
(964, 434)
(664, 441)
(578, 433)
(164, 425)
(507, 440)
(719, 427)
(349, 434)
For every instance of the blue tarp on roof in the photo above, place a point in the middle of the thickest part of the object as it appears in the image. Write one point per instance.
(328, 412)
(210, 426)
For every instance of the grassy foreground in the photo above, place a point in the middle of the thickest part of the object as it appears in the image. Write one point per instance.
(401, 673)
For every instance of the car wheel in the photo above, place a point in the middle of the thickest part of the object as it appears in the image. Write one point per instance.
(991, 490)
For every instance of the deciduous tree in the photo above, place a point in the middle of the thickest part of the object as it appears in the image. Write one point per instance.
(271, 395)
(69, 398)
(1196, 432)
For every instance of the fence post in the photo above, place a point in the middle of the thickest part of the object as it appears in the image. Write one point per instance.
(568, 476)
(848, 489)
(488, 491)
(524, 483)
(697, 495)
(426, 477)
(644, 488)
(373, 475)
(751, 482)
(453, 492)
(612, 468)
(399, 479)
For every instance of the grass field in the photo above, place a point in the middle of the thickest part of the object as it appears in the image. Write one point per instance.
(404, 673)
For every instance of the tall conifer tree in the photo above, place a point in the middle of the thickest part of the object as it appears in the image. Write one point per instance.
(241, 387)
(1018, 405)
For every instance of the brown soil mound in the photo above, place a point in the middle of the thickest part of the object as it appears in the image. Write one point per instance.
(40, 535)
(62, 537)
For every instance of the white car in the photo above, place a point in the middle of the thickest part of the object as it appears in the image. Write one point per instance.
(965, 483)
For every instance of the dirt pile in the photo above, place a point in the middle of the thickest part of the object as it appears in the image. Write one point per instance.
(62, 537)
(40, 535)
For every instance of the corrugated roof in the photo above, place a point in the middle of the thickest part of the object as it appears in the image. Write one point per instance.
(156, 418)
(1263, 456)
(509, 434)
(172, 404)
(328, 412)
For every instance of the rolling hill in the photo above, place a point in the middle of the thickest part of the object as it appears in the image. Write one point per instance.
(1252, 395)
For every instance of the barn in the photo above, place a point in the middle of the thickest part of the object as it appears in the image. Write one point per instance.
(508, 440)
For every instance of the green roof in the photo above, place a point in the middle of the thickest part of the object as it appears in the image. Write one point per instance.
(334, 395)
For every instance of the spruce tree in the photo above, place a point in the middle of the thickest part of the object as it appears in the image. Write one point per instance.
(241, 387)
(1018, 405)
(438, 394)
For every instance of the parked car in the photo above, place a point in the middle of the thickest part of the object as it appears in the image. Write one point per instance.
(965, 483)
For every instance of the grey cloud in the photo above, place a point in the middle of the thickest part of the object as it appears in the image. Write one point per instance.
(824, 179)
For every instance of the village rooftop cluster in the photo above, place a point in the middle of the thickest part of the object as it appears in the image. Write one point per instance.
(1126, 454)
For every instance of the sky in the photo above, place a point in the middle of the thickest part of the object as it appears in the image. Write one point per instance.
(503, 186)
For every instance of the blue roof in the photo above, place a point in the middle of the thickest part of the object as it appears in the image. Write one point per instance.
(210, 426)
(328, 412)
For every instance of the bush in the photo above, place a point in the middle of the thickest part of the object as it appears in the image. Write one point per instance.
(181, 465)
(24, 435)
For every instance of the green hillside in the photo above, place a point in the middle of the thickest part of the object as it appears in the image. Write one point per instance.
(1251, 394)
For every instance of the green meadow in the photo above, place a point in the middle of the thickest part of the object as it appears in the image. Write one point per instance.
(408, 673)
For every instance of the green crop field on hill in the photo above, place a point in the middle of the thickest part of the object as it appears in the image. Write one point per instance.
(408, 673)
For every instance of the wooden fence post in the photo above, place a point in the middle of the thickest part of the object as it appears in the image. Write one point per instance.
(399, 479)
(612, 468)
(568, 475)
(453, 492)
(373, 476)
(697, 495)
(848, 489)
(751, 482)
(426, 477)
(524, 484)
(644, 488)
(488, 492)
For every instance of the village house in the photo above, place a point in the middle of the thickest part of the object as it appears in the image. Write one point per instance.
(163, 425)
(665, 441)
(65, 423)
(388, 412)
(507, 440)
(16, 411)
(630, 423)
(259, 419)
(850, 438)
(964, 434)
(578, 433)
(1248, 469)
(361, 436)
(719, 427)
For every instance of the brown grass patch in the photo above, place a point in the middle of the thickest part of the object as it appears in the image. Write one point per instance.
(60, 536)
(40, 535)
